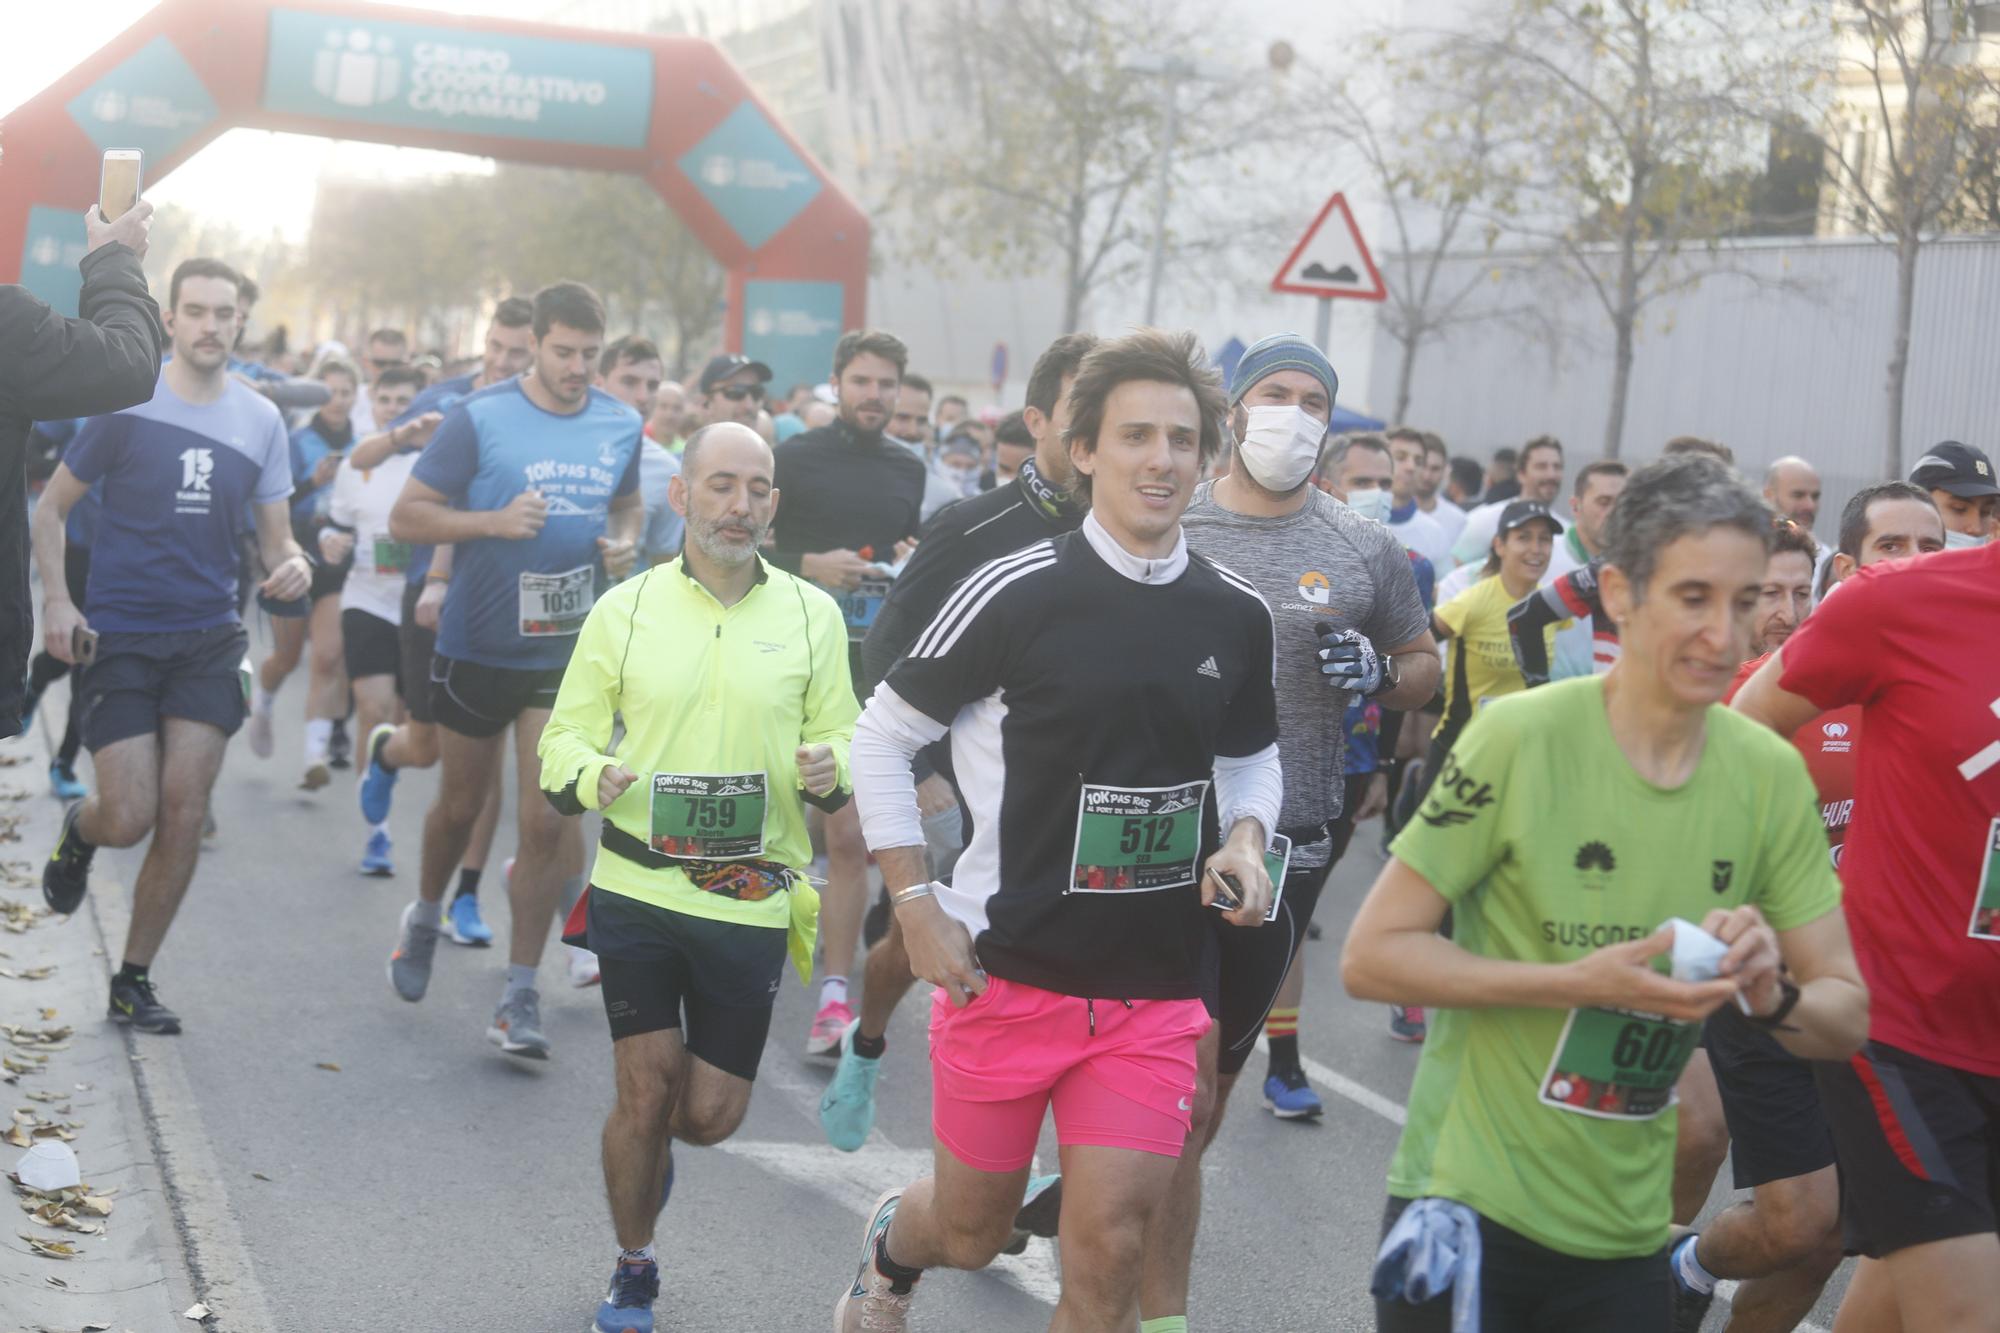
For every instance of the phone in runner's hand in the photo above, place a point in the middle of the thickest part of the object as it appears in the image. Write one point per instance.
(1231, 900)
(83, 645)
(118, 183)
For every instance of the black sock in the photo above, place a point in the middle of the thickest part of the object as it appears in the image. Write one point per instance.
(1284, 1053)
(131, 972)
(468, 882)
(901, 1279)
(870, 1048)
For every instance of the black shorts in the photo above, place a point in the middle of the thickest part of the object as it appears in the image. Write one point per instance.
(1248, 966)
(417, 646)
(1526, 1287)
(139, 678)
(1919, 1149)
(370, 646)
(327, 579)
(479, 701)
(1777, 1127)
(714, 980)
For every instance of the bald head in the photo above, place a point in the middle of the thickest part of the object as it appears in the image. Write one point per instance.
(726, 446)
(1792, 488)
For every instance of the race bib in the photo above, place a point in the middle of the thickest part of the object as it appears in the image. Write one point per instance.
(1617, 1064)
(391, 557)
(555, 604)
(860, 607)
(1986, 902)
(1136, 839)
(708, 816)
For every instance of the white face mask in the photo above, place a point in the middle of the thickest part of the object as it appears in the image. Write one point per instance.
(1280, 446)
(1372, 504)
(1959, 541)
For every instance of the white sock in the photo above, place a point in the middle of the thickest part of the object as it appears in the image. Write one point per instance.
(319, 734)
(1689, 1270)
(261, 699)
(642, 1255)
(382, 829)
(833, 990)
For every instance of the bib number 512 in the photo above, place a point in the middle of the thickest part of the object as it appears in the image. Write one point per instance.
(1146, 836)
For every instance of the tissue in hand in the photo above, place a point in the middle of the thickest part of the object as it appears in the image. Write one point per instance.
(1697, 955)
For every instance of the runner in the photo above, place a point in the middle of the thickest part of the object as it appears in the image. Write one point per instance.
(1536, 1130)
(732, 389)
(1350, 625)
(1112, 655)
(1013, 445)
(960, 540)
(1786, 596)
(855, 501)
(1408, 519)
(1541, 475)
(1430, 487)
(1915, 1115)
(316, 452)
(910, 426)
(1961, 481)
(163, 689)
(1598, 486)
(1764, 1112)
(538, 479)
(632, 371)
(724, 743)
(508, 350)
(1792, 487)
(373, 566)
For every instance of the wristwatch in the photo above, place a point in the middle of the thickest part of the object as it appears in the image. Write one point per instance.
(1788, 999)
(1391, 678)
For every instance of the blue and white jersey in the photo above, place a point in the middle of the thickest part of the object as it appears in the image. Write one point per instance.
(519, 604)
(177, 479)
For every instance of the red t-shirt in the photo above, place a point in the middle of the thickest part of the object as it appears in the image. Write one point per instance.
(1914, 642)
(1829, 743)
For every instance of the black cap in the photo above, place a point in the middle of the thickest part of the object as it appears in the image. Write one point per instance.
(722, 367)
(1956, 469)
(1518, 512)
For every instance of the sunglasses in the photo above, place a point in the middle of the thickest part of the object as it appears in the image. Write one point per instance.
(736, 393)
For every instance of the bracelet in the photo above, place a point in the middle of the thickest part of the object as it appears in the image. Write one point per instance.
(911, 894)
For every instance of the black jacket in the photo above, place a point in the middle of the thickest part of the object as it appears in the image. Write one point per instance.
(51, 368)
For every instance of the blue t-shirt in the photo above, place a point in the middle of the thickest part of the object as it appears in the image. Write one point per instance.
(177, 479)
(440, 397)
(519, 604)
(308, 446)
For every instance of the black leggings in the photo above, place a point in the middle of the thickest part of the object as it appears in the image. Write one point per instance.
(1525, 1287)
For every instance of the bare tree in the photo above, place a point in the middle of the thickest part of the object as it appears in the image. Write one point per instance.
(1903, 95)
(1624, 131)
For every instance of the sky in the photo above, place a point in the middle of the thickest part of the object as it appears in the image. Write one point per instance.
(257, 180)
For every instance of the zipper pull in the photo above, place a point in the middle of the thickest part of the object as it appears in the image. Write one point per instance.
(1090, 1007)
(1126, 1003)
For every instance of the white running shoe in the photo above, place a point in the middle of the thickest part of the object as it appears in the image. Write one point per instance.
(262, 741)
(583, 969)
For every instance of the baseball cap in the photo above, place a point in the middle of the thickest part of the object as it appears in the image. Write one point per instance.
(1956, 469)
(1519, 512)
(722, 367)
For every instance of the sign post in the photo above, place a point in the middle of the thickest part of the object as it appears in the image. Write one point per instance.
(1331, 263)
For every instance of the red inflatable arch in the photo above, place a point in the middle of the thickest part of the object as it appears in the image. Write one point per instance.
(671, 109)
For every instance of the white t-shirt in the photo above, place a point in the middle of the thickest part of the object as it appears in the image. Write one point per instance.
(1574, 647)
(362, 501)
(1449, 517)
(1421, 533)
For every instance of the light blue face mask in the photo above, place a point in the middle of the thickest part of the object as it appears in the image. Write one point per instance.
(1374, 504)
(1959, 541)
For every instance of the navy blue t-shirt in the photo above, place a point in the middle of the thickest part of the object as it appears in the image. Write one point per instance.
(177, 478)
(519, 604)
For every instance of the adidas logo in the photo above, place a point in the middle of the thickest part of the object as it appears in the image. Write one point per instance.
(1209, 668)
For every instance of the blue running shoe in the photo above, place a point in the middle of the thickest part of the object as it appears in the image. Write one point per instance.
(377, 783)
(847, 1108)
(62, 781)
(464, 925)
(628, 1306)
(375, 860)
(1288, 1096)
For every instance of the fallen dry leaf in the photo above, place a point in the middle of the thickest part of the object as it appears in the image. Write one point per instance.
(55, 1282)
(17, 1136)
(258, 1175)
(328, 1065)
(49, 1249)
(28, 973)
(95, 1328)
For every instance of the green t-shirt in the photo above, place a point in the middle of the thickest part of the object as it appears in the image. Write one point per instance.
(1548, 846)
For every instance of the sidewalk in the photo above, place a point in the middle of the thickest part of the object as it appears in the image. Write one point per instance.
(66, 1072)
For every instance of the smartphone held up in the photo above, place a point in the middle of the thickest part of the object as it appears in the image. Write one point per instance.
(118, 185)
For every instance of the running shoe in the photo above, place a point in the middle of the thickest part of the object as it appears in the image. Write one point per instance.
(28, 707)
(847, 1108)
(317, 774)
(628, 1306)
(339, 749)
(1040, 1212)
(1406, 1023)
(377, 784)
(1288, 1096)
(517, 1025)
(831, 1020)
(375, 859)
(1690, 1306)
(583, 969)
(263, 741)
(410, 965)
(873, 1303)
(464, 925)
(62, 781)
(66, 876)
(134, 1003)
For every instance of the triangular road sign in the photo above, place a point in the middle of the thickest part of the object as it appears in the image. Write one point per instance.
(1331, 260)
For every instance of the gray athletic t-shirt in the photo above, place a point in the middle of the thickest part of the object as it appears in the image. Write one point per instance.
(1323, 563)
